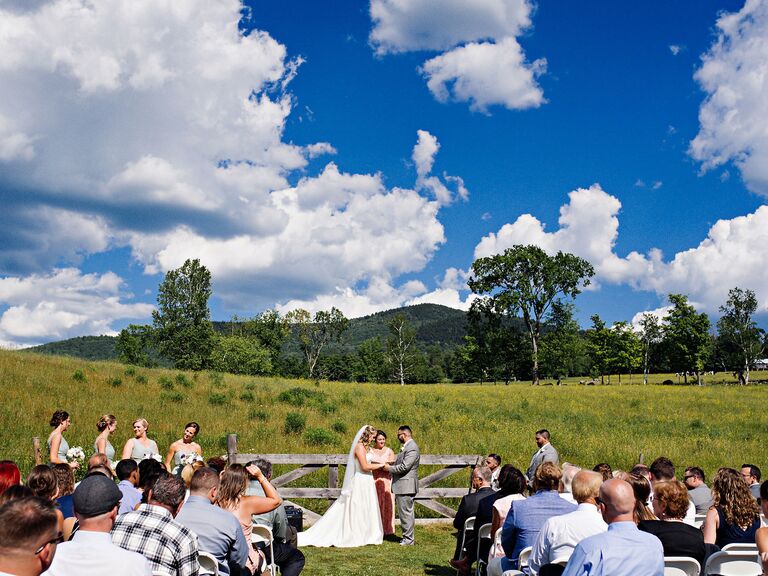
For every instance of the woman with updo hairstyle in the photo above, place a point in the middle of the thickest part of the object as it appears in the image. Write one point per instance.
(106, 425)
(140, 447)
(42, 481)
(9, 475)
(231, 496)
(642, 489)
(184, 446)
(57, 444)
(670, 504)
(65, 486)
(734, 517)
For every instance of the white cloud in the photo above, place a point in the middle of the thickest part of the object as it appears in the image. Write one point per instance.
(731, 255)
(481, 63)
(733, 119)
(657, 184)
(62, 304)
(486, 74)
(675, 49)
(424, 152)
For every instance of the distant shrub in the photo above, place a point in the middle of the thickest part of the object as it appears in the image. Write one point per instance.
(257, 414)
(668, 383)
(130, 371)
(697, 424)
(294, 423)
(319, 436)
(250, 386)
(300, 396)
(216, 379)
(165, 383)
(115, 382)
(79, 376)
(217, 399)
(141, 378)
(327, 408)
(247, 396)
(174, 397)
(387, 414)
(339, 427)
(182, 380)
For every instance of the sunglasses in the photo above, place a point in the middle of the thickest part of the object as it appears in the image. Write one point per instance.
(58, 540)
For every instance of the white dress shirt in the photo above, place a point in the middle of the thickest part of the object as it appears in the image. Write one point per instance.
(92, 553)
(560, 534)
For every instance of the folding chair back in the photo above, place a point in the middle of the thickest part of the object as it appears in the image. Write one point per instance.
(483, 533)
(208, 564)
(681, 566)
(261, 533)
(730, 563)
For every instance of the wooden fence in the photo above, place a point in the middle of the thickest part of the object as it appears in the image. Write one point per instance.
(309, 463)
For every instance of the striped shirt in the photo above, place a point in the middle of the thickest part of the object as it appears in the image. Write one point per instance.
(152, 532)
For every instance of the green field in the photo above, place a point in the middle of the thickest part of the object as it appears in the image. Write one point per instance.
(708, 426)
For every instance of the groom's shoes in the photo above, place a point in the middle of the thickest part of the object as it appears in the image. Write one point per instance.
(406, 542)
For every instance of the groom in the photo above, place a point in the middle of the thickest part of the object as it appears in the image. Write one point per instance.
(405, 481)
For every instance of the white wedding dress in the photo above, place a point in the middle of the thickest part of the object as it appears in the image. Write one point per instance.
(354, 519)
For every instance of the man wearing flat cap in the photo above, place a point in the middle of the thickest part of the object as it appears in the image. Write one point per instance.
(91, 552)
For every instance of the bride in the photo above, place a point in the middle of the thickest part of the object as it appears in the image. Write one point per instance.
(354, 519)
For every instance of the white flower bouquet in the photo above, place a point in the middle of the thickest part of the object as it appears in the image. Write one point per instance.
(75, 453)
(153, 456)
(191, 459)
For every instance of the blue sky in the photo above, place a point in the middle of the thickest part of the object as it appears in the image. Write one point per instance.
(363, 154)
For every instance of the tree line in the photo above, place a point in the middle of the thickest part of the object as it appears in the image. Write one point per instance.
(520, 326)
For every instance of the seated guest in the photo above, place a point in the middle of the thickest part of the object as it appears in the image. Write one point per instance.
(569, 471)
(605, 470)
(560, 534)
(481, 484)
(152, 531)
(512, 486)
(16, 492)
(65, 485)
(217, 463)
(670, 503)
(30, 531)
(642, 490)
(218, 531)
(663, 470)
(641, 470)
(149, 471)
(622, 550)
(761, 536)
(288, 558)
(91, 548)
(493, 461)
(128, 474)
(751, 475)
(9, 475)
(735, 516)
(42, 482)
(698, 492)
(525, 519)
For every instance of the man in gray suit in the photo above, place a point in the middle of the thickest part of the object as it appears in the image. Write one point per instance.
(405, 481)
(545, 453)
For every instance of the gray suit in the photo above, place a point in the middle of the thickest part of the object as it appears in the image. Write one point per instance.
(546, 453)
(405, 485)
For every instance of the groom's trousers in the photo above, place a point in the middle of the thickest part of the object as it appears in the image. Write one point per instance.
(405, 511)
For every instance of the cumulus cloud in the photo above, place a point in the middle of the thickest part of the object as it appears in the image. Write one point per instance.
(675, 49)
(423, 156)
(733, 119)
(481, 63)
(731, 255)
(62, 304)
(424, 153)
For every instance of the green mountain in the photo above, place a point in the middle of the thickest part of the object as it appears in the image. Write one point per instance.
(434, 324)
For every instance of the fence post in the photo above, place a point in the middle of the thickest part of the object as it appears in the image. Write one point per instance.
(231, 448)
(36, 447)
(333, 477)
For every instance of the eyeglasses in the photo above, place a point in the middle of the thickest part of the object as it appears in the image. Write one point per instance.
(689, 477)
(58, 540)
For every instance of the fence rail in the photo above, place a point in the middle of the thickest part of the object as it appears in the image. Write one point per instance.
(310, 463)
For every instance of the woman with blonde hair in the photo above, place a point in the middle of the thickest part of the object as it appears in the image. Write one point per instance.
(231, 496)
(106, 425)
(140, 446)
(734, 517)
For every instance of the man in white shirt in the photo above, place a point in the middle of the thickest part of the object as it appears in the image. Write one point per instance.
(493, 461)
(91, 552)
(560, 534)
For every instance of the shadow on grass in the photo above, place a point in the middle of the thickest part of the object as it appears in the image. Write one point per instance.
(439, 570)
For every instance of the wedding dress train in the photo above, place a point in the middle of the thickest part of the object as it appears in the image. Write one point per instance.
(354, 519)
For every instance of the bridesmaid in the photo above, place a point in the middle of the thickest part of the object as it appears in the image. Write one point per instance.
(185, 446)
(140, 446)
(383, 480)
(106, 425)
(57, 444)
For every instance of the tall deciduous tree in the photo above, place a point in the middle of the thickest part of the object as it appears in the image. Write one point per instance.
(133, 345)
(182, 324)
(525, 279)
(401, 346)
(739, 332)
(650, 336)
(686, 333)
(599, 347)
(562, 348)
(270, 329)
(315, 333)
(626, 349)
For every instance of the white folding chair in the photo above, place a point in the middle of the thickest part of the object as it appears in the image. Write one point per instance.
(740, 547)
(484, 533)
(733, 564)
(698, 520)
(263, 534)
(208, 564)
(522, 561)
(681, 566)
(469, 524)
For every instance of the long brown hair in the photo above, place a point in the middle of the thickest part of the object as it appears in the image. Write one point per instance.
(234, 481)
(732, 495)
(642, 489)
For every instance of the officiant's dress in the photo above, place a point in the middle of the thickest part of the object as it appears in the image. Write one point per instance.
(353, 520)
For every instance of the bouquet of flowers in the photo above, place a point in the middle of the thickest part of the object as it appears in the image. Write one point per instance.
(154, 456)
(191, 459)
(75, 453)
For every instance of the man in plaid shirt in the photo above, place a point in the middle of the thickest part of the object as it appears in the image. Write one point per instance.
(152, 531)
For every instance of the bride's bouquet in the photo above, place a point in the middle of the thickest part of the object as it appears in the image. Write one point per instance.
(75, 453)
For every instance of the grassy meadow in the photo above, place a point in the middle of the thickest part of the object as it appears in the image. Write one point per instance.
(708, 426)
